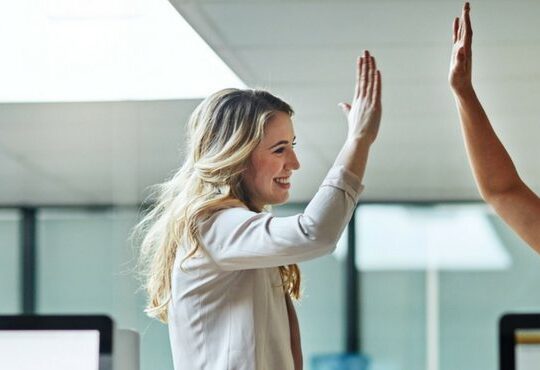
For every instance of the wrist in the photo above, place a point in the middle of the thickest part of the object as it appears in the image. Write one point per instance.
(362, 140)
(464, 91)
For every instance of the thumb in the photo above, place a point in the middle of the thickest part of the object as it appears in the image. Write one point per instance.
(345, 107)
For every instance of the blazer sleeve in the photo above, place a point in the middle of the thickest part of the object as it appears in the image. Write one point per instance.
(239, 239)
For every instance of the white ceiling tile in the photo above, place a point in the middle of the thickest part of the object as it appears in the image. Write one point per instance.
(303, 51)
(365, 23)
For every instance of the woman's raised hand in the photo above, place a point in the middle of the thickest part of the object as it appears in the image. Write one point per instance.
(461, 60)
(364, 114)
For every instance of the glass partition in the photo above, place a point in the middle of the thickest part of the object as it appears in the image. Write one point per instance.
(9, 262)
(434, 281)
(86, 265)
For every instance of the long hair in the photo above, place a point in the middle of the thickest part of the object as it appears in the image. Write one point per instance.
(223, 131)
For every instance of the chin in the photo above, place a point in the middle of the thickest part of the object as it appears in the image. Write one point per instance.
(276, 199)
(283, 199)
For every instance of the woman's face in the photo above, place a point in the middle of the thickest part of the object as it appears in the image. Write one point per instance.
(271, 163)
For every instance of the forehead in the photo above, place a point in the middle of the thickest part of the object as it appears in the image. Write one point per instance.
(279, 127)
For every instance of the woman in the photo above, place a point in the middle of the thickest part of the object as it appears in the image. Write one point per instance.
(220, 269)
(495, 174)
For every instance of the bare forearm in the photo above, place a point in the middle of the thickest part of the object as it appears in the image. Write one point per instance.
(492, 166)
(493, 169)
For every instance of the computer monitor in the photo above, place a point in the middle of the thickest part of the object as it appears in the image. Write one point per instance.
(56, 342)
(519, 342)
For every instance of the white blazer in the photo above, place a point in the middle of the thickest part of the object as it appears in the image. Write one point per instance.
(228, 309)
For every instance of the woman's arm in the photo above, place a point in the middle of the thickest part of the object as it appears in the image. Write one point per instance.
(296, 345)
(494, 171)
(363, 116)
(238, 238)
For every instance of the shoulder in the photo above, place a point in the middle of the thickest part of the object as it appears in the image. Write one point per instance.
(226, 223)
(229, 217)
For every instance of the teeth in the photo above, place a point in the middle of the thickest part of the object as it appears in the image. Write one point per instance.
(282, 180)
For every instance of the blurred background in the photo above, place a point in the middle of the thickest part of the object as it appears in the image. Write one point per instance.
(94, 97)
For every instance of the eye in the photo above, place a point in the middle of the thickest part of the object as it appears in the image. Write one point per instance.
(283, 148)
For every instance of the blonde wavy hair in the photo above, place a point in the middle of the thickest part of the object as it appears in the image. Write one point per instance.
(222, 133)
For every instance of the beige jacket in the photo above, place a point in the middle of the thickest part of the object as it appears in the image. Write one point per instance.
(228, 308)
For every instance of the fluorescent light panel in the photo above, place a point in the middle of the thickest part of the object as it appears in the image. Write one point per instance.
(104, 50)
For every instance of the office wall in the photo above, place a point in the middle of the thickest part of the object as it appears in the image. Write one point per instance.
(87, 265)
(321, 310)
(470, 303)
(393, 319)
(9, 262)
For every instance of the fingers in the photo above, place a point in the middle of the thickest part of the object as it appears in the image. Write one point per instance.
(455, 28)
(460, 29)
(366, 77)
(462, 26)
(372, 70)
(465, 11)
(364, 74)
(368, 81)
(467, 26)
(377, 88)
(359, 63)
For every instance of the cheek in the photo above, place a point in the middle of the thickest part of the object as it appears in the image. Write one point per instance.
(257, 177)
(250, 179)
(263, 171)
(271, 168)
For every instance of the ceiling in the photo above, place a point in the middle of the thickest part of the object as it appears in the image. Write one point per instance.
(303, 51)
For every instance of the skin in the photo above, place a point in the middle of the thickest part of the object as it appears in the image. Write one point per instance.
(274, 158)
(363, 116)
(496, 176)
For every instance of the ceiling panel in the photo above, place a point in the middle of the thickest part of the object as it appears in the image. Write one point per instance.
(303, 51)
(90, 152)
(364, 23)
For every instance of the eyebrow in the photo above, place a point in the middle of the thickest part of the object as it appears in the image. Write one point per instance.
(282, 142)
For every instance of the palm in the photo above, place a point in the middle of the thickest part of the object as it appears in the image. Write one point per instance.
(461, 60)
(364, 115)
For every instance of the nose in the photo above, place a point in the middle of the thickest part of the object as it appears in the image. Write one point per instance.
(292, 161)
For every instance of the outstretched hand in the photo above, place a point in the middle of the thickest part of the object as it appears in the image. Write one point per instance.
(364, 114)
(461, 61)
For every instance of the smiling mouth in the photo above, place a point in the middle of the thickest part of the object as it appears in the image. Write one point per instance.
(282, 180)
